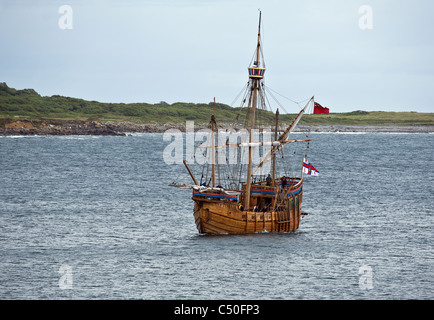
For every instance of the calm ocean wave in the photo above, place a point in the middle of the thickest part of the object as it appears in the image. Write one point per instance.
(101, 209)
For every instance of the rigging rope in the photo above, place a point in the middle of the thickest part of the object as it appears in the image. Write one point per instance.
(297, 103)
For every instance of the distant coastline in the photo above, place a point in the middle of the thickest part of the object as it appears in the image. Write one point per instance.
(123, 128)
(25, 112)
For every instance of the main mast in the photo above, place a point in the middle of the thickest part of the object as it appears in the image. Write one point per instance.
(256, 74)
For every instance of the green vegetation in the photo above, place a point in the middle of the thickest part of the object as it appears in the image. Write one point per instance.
(27, 104)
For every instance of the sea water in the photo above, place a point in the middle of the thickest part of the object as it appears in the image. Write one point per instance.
(90, 217)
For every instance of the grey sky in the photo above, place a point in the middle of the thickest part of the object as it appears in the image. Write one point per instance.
(192, 51)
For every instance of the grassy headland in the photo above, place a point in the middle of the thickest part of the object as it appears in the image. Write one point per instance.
(28, 105)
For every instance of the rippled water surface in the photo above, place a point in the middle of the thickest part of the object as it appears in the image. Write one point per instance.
(101, 209)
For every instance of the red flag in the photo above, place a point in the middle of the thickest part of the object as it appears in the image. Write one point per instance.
(318, 109)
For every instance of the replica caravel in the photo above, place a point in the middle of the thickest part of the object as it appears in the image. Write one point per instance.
(241, 196)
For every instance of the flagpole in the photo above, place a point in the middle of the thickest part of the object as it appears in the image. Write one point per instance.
(302, 167)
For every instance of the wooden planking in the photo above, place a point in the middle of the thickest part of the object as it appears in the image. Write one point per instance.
(220, 217)
(216, 216)
(292, 216)
(217, 222)
(300, 195)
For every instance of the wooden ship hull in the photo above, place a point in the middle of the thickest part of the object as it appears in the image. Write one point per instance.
(277, 211)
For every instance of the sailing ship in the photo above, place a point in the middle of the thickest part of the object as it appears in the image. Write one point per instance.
(249, 197)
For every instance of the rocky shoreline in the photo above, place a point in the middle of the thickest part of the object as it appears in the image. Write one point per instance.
(123, 128)
(78, 127)
(367, 128)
